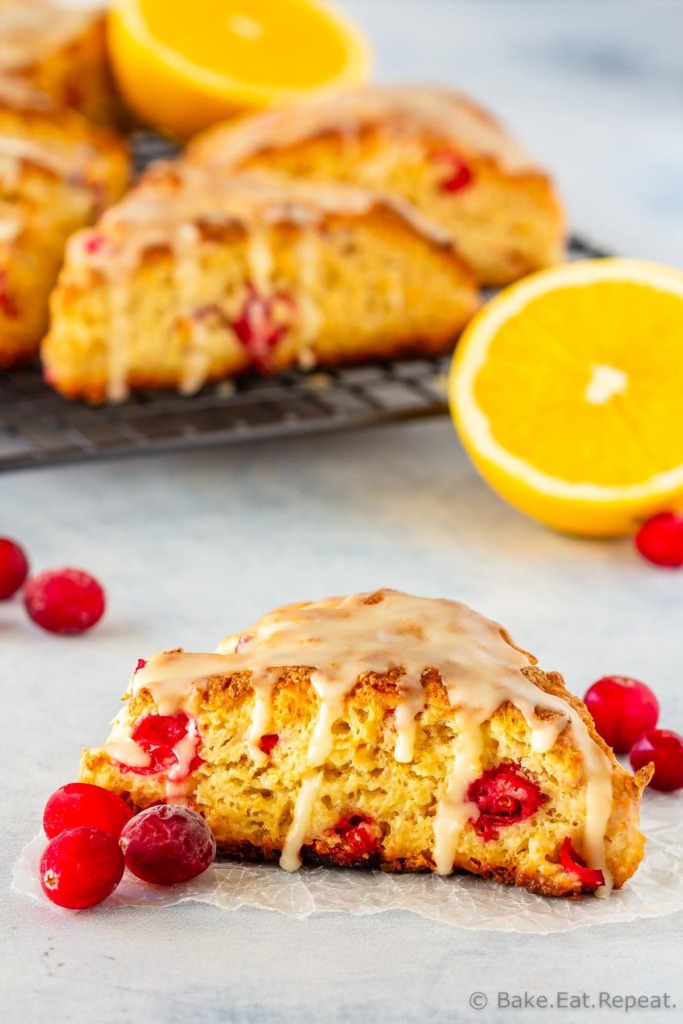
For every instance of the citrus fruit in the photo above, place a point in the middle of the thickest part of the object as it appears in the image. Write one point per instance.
(184, 66)
(566, 392)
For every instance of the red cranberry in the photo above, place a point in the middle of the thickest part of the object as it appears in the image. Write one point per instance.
(13, 567)
(64, 600)
(353, 840)
(94, 244)
(504, 795)
(167, 844)
(80, 805)
(158, 736)
(590, 878)
(665, 750)
(458, 173)
(660, 540)
(622, 709)
(141, 664)
(257, 328)
(80, 868)
(268, 742)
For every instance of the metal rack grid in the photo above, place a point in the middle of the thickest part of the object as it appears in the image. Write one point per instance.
(39, 428)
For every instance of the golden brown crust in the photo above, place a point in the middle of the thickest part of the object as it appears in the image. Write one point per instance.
(63, 54)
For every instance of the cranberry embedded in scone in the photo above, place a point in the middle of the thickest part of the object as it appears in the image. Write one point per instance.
(261, 323)
(590, 878)
(457, 173)
(351, 842)
(268, 742)
(158, 735)
(504, 795)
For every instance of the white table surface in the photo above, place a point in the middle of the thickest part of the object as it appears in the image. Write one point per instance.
(192, 547)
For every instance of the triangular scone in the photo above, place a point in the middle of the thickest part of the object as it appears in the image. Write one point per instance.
(195, 277)
(431, 146)
(58, 172)
(381, 730)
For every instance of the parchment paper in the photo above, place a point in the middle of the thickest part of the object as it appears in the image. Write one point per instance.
(654, 891)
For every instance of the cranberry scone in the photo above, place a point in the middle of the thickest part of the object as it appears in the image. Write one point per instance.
(196, 276)
(431, 146)
(380, 730)
(61, 53)
(57, 173)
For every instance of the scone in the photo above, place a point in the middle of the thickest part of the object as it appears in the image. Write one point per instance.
(60, 52)
(431, 146)
(195, 277)
(380, 730)
(57, 173)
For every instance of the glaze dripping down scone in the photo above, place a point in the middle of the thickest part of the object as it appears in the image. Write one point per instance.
(380, 730)
(196, 277)
(431, 146)
(58, 172)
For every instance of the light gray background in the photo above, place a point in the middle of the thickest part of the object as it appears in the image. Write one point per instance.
(193, 547)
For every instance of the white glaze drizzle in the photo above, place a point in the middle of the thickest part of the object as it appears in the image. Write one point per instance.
(407, 111)
(341, 638)
(290, 859)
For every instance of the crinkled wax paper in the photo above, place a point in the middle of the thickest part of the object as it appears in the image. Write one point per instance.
(655, 890)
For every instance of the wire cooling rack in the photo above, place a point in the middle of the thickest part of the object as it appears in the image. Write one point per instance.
(39, 428)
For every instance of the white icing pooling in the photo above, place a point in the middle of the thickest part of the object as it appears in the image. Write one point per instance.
(169, 208)
(398, 110)
(339, 640)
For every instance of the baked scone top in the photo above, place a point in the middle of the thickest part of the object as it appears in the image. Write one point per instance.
(31, 30)
(341, 640)
(173, 197)
(395, 110)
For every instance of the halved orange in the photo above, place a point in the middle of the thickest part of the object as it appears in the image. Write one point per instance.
(183, 65)
(567, 392)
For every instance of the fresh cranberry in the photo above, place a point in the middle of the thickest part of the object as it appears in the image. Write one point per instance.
(167, 844)
(257, 329)
(590, 878)
(458, 173)
(80, 868)
(158, 735)
(660, 540)
(504, 795)
(64, 600)
(622, 709)
(353, 840)
(13, 567)
(79, 804)
(141, 664)
(268, 742)
(665, 750)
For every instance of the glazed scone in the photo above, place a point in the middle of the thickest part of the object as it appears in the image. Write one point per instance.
(431, 146)
(58, 172)
(195, 277)
(61, 53)
(380, 730)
